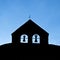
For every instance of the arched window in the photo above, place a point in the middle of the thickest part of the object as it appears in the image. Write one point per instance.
(24, 38)
(36, 39)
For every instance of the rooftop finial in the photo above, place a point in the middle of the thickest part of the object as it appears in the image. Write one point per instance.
(29, 16)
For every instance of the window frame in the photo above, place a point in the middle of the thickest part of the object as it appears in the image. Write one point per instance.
(33, 39)
(22, 37)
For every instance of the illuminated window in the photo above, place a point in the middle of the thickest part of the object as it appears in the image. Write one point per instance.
(36, 39)
(24, 38)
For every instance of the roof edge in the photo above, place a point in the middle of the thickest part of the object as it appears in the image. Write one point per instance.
(27, 22)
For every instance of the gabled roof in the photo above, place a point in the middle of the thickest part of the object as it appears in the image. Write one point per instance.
(28, 23)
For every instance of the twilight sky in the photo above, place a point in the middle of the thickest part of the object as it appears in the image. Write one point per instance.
(14, 13)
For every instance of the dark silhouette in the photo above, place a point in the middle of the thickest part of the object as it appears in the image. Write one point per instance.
(31, 39)
(29, 29)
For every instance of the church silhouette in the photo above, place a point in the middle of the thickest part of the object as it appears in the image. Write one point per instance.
(30, 34)
(31, 39)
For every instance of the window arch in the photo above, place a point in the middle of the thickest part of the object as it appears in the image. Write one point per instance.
(24, 38)
(36, 39)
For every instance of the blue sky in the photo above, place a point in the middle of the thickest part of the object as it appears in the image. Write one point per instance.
(14, 13)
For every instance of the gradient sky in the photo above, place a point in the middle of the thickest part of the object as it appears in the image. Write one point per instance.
(14, 13)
